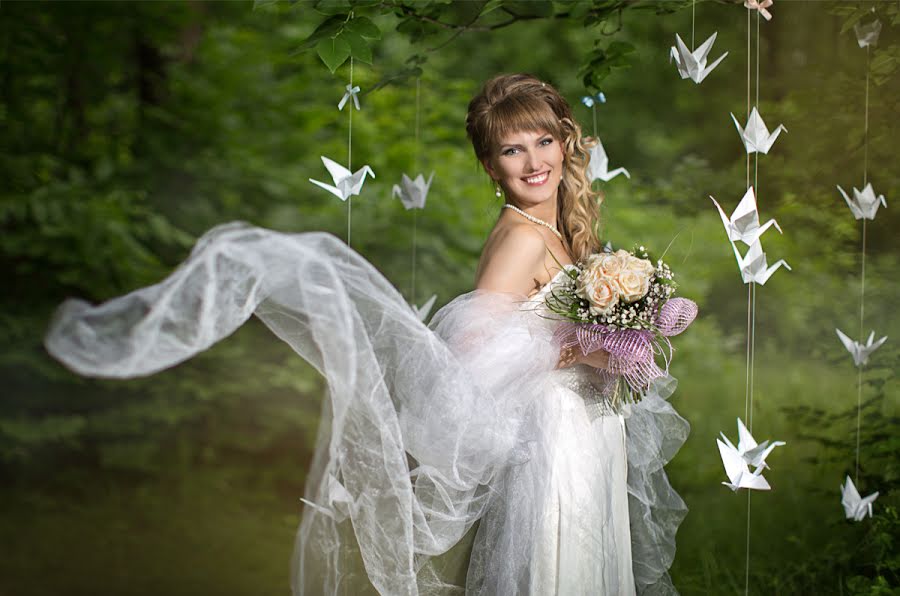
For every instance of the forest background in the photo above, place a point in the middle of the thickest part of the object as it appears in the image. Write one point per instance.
(131, 128)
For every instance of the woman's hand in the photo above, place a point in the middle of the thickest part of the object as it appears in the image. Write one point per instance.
(572, 355)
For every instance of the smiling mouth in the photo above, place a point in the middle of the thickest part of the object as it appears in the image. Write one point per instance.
(537, 180)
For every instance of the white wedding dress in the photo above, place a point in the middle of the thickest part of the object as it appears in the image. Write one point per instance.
(425, 430)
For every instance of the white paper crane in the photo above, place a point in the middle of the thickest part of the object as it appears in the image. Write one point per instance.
(598, 166)
(761, 6)
(859, 351)
(346, 183)
(739, 474)
(856, 507)
(755, 135)
(867, 35)
(692, 65)
(753, 265)
(743, 224)
(864, 204)
(413, 192)
(754, 453)
(422, 311)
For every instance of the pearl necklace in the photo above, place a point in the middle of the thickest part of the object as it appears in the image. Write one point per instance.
(534, 219)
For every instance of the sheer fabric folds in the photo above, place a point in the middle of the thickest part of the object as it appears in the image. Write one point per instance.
(421, 428)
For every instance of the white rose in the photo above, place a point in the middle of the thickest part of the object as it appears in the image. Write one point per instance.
(606, 264)
(640, 265)
(601, 292)
(633, 285)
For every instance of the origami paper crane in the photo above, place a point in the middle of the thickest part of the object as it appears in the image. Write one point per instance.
(739, 474)
(867, 35)
(761, 7)
(690, 64)
(864, 204)
(755, 135)
(346, 183)
(598, 167)
(753, 266)
(859, 351)
(352, 91)
(856, 507)
(754, 454)
(422, 311)
(413, 192)
(743, 224)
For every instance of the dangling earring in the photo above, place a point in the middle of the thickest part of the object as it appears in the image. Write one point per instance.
(498, 191)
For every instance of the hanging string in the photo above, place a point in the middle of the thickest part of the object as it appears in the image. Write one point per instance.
(350, 151)
(748, 90)
(862, 302)
(751, 311)
(412, 293)
(693, 12)
(862, 276)
(866, 127)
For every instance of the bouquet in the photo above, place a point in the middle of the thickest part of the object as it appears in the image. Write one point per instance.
(622, 302)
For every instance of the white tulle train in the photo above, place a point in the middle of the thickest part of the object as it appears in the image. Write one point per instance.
(425, 431)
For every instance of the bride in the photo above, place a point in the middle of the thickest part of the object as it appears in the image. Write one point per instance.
(475, 424)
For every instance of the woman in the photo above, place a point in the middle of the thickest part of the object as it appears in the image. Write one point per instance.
(427, 430)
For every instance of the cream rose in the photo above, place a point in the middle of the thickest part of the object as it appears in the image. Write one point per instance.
(601, 292)
(608, 264)
(632, 285)
(640, 266)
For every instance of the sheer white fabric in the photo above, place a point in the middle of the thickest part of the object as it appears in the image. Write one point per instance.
(425, 430)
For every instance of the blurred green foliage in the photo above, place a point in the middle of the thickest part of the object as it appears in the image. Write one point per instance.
(130, 128)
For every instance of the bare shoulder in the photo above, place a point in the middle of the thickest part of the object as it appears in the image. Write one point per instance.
(513, 257)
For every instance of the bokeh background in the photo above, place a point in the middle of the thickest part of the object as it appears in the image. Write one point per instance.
(129, 128)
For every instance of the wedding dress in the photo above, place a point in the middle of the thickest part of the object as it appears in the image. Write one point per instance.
(425, 430)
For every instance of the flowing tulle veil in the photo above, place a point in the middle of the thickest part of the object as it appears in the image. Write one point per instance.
(420, 424)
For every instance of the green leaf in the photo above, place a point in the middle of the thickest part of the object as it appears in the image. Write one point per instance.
(854, 18)
(490, 6)
(365, 27)
(578, 9)
(332, 7)
(619, 48)
(529, 8)
(333, 52)
(359, 47)
(330, 27)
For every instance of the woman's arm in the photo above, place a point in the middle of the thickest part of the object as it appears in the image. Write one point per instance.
(572, 355)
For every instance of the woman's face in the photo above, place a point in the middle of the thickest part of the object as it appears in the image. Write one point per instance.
(528, 165)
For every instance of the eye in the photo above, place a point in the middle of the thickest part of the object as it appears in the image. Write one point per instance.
(546, 141)
(510, 151)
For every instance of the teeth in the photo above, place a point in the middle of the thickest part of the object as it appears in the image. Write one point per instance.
(536, 179)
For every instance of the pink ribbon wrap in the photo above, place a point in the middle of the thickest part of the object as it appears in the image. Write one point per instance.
(632, 352)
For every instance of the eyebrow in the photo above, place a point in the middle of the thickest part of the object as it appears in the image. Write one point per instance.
(521, 146)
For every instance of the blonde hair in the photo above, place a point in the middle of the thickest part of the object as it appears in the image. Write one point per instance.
(520, 102)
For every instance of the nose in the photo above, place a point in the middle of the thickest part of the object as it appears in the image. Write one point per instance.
(533, 163)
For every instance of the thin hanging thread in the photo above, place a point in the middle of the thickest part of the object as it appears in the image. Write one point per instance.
(693, 11)
(862, 303)
(752, 352)
(350, 151)
(862, 276)
(412, 293)
(748, 89)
